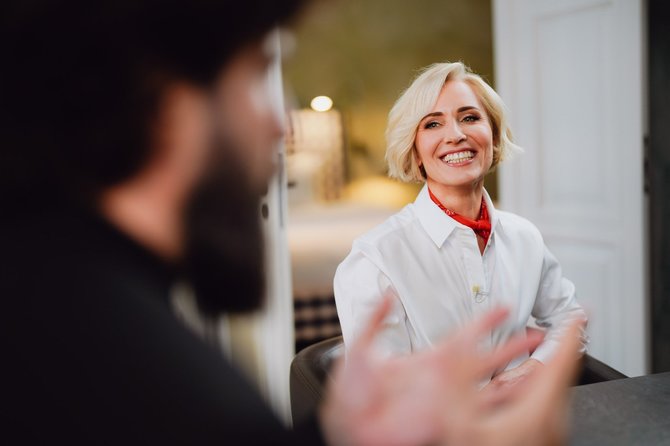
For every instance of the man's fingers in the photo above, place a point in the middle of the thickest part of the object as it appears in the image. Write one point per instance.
(492, 396)
(356, 373)
(365, 339)
(545, 401)
(462, 347)
(484, 325)
(467, 338)
(563, 367)
(513, 348)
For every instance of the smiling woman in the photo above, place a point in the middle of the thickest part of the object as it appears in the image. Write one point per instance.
(450, 256)
(476, 99)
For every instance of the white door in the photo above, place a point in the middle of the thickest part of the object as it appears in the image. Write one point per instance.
(275, 336)
(571, 73)
(263, 343)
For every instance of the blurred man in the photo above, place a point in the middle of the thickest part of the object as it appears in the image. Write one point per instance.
(136, 140)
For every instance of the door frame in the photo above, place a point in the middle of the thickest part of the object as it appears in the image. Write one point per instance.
(658, 180)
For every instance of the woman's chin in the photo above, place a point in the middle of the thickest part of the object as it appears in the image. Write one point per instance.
(458, 179)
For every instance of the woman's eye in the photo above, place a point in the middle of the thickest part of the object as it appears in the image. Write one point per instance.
(431, 125)
(471, 118)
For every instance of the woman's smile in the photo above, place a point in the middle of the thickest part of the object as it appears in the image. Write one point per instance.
(459, 158)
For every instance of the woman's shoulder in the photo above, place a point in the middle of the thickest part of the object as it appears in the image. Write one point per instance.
(392, 228)
(370, 246)
(516, 225)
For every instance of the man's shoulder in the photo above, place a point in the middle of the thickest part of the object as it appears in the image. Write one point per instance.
(95, 344)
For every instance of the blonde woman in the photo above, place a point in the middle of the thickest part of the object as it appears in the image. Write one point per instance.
(451, 256)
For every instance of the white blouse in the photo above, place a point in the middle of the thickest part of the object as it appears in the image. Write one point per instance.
(433, 267)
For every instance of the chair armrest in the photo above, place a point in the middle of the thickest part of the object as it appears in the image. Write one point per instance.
(310, 370)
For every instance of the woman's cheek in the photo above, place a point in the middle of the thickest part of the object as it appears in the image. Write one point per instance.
(427, 145)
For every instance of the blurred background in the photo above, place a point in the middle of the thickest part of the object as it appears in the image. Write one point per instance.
(586, 85)
(344, 67)
(362, 54)
(567, 71)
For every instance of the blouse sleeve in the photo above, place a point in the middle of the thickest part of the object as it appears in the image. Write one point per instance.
(555, 307)
(359, 288)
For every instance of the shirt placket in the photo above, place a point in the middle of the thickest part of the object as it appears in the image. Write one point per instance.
(476, 273)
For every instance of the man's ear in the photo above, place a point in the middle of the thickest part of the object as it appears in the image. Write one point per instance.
(182, 120)
(180, 134)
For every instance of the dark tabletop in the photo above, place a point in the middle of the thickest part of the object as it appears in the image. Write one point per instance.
(632, 411)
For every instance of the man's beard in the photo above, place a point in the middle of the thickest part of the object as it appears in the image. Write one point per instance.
(223, 259)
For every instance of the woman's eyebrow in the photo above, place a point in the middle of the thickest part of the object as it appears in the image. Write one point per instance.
(466, 108)
(459, 110)
(429, 115)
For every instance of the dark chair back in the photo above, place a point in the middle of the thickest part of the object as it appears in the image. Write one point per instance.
(311, 368)
(596, 371)
(309, 371)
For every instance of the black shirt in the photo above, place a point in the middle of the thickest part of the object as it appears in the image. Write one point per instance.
(95, 355)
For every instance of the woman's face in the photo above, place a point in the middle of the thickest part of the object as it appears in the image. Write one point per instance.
(454, 142)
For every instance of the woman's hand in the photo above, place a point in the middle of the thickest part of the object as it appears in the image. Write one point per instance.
(431, 397)
(503, 384)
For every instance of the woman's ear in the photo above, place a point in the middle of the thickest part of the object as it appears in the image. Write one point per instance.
(422, 169)
(423, 172)
(418, 162)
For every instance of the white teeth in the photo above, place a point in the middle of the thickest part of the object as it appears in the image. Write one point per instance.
(458, 157)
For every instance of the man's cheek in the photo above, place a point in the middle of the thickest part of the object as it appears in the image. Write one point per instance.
(256, 154)
(259, 98)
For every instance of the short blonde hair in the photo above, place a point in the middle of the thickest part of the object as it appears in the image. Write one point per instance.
(417, 101)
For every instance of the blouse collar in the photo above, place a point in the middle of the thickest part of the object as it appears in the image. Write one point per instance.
(439, 225)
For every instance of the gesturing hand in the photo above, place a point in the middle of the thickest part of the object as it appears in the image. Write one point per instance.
(432, 397)
(505, 383)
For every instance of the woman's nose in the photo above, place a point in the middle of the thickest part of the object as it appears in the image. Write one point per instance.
(453, 134)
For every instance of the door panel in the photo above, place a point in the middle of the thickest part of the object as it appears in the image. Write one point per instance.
(571, 74)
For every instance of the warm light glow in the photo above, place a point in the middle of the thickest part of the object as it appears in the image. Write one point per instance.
(322, 103)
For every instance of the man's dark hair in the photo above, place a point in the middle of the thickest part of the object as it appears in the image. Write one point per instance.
(81, 81)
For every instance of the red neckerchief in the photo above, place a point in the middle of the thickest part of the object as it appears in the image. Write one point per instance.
(481, 226)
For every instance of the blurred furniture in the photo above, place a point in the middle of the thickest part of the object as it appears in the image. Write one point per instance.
(312, 366)
(310, 371)
(596, 371)
(632, 411)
